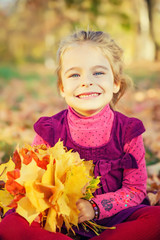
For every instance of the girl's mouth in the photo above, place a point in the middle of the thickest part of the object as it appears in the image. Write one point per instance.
(88, 95)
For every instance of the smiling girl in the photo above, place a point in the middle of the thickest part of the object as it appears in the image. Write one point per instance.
(91, 80)
(87, 79)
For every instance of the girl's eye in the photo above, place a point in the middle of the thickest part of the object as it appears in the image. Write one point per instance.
(98, 73)
(74, 75)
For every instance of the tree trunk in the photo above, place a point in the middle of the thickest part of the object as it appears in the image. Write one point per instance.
(154, 11)
(145, 44)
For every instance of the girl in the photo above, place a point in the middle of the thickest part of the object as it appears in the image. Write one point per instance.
(91, 80)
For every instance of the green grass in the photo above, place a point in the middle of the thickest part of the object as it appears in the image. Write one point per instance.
(7, 149)
(151, 157)
(8, 72)
(144, 76)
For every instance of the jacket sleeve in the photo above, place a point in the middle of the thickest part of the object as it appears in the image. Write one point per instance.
(39, 140)
(133, 189)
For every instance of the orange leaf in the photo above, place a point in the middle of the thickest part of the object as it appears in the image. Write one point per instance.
(13, 174)
(44, 162)
(26, 154)
(14, 188)
(13, 204)
(17, 160)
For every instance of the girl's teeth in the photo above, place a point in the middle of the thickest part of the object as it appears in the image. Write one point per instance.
(88, 95)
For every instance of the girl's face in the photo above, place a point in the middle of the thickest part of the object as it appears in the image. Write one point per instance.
(87, 79)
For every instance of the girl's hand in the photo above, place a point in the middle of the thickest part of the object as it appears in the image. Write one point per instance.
(86, 210)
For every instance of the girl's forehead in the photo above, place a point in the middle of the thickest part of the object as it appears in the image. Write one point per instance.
(79, 45)
(77, 50)
(83, 52)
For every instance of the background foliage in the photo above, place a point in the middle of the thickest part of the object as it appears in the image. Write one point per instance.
(31, 29)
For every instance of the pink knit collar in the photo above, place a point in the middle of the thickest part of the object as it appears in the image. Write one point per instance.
(96, 121)
(91, 131)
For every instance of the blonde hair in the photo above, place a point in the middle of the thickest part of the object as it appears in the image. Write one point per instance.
(109, 48)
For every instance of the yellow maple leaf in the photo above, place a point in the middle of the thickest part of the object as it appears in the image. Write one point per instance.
(6, 167)
(63, 202)
(51, 222)
(60, 221)
(62, 165)
(48, 176)
(89, 167)
(31, 172)
(27, 210)
(36, 197)
(5, 199)
(58, 150)
(76, 180)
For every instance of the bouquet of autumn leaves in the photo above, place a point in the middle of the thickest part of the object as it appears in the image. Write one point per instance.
(43, 184)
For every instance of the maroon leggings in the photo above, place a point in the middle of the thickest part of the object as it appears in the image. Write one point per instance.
(144, 224)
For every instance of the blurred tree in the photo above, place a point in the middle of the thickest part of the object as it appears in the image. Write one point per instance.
(148, 34)
(154, 18)
(145, 44)
(33, 29)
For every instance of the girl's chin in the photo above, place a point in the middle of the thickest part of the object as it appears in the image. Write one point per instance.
(89, 112)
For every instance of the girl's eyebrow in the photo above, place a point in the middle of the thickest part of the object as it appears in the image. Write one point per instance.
(93, 68)
(70, 69)
(100, 66)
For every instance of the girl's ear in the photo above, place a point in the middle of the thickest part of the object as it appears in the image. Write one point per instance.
(116, 87)
(61, 88)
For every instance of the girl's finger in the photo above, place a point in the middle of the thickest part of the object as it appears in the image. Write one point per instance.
(81, 219)
(80, 216)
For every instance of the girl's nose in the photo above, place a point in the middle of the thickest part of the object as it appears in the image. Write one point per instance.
(87, 81)
(86, 84)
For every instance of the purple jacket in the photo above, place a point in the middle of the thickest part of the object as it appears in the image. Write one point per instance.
(109, 159)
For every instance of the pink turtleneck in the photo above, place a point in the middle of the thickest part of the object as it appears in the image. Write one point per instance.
(90, 131)
(95, 131)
